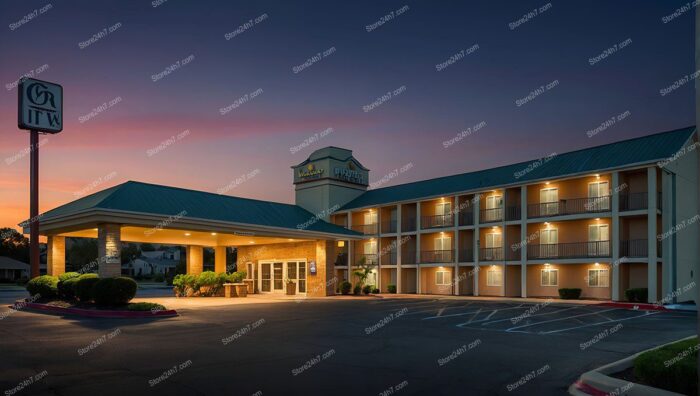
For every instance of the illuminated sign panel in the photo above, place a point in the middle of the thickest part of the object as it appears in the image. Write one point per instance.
(40, 106)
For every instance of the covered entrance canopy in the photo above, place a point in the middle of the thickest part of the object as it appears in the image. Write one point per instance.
(141, 212)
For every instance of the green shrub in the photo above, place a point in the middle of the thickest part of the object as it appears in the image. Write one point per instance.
(68, 275)
(569, 293)
(391, 288)
(357, 290)
(46, 286)
(673, 367)
(114, 291)
(184, 285)
(159, 278)
(375, 291)
(145, 306)
(236, 277)
(345, 288)
(66, 288)
(640, 294)
(83, 287)
(208, 283)
(367, 289)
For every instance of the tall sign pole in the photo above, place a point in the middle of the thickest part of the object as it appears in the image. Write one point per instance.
(39, 109)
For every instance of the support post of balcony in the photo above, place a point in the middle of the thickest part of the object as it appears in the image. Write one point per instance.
(615, 289)
(398, 249)
(504, 242)
(455, 233)
(418, 255)
(667, 253)
(477, 205)
(523, 241)
(378, 248)
(351, 251)
(651, 234)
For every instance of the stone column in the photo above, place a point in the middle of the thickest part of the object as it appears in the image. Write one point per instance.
(195, 259)
(56, 255)
(220, 259)
(109, 250)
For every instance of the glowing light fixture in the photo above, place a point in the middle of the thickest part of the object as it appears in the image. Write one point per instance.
(187, 234)
(213, 233)
(341, 243)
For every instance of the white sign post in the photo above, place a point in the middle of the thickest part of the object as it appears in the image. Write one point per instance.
(39, 109)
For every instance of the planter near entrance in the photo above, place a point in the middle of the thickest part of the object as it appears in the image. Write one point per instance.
(291, 288)
(235, 290)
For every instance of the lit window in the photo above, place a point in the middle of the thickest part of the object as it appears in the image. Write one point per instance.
(442, 278)
(549, 277)
(494, 278)
(598, 278)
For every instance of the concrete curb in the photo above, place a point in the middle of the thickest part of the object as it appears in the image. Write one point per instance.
(598, 382)
(91, 313)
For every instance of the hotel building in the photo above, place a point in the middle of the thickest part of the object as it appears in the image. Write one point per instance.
(603, 219)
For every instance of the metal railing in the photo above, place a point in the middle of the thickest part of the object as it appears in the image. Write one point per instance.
(367, 229)
(388, 227)
(634, 248)
(569, 250)
(634, 201)
(491, 254)
(437, 256)
(490, 215)
(569, 206)
(513, 213)
(437, 221)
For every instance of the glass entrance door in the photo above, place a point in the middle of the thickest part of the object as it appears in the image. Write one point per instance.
(277, 277)
(274, 274)
(265, 277)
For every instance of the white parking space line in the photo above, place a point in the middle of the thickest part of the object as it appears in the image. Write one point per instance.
(438, 307)
(468, 313)
(648, 313)
(531, 316)
(560, 319)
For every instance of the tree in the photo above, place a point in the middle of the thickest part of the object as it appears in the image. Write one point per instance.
(14, 245)
(130, 251)
(82, 253)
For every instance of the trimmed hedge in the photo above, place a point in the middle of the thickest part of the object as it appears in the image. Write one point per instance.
(145, 306)
(640, 294)
(673, 367)
(66, 285)
(367, 289)
(345, 288)
(114, 291)
(391, 288)
(375, 291)
(569, 293)
(83, 287)
(357, 290)
(46, 286)
(206, 284)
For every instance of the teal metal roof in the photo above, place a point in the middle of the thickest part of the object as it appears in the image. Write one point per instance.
(155, 199)
(645, 149)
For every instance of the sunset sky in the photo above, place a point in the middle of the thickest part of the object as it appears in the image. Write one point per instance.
(504, 60)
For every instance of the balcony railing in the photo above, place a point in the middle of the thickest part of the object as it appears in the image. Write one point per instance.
(437, 221)
(569, 250)
(408, 257)
(341, 260)
(490, 215)
(466, 255)
(366, 259)
(408, 224)
(388, 258)
(389, 227)
(513, 213)
(634, 201)
(436, 256)
(491, 254)
(634, 248)
(569, 206)
(367, 229)
(466, 218)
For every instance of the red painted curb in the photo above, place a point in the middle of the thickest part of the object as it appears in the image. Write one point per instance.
(635, 306)
(93, 313)
(589, 390)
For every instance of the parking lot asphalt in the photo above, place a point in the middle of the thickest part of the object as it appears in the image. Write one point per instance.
(385, 346)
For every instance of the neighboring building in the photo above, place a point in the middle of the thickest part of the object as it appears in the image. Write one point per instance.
(12, 270)
(603, 219)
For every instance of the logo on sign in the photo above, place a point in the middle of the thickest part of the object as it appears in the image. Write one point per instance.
(311, 171)
(40, 106)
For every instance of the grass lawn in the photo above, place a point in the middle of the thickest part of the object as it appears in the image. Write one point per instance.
(673, 367)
